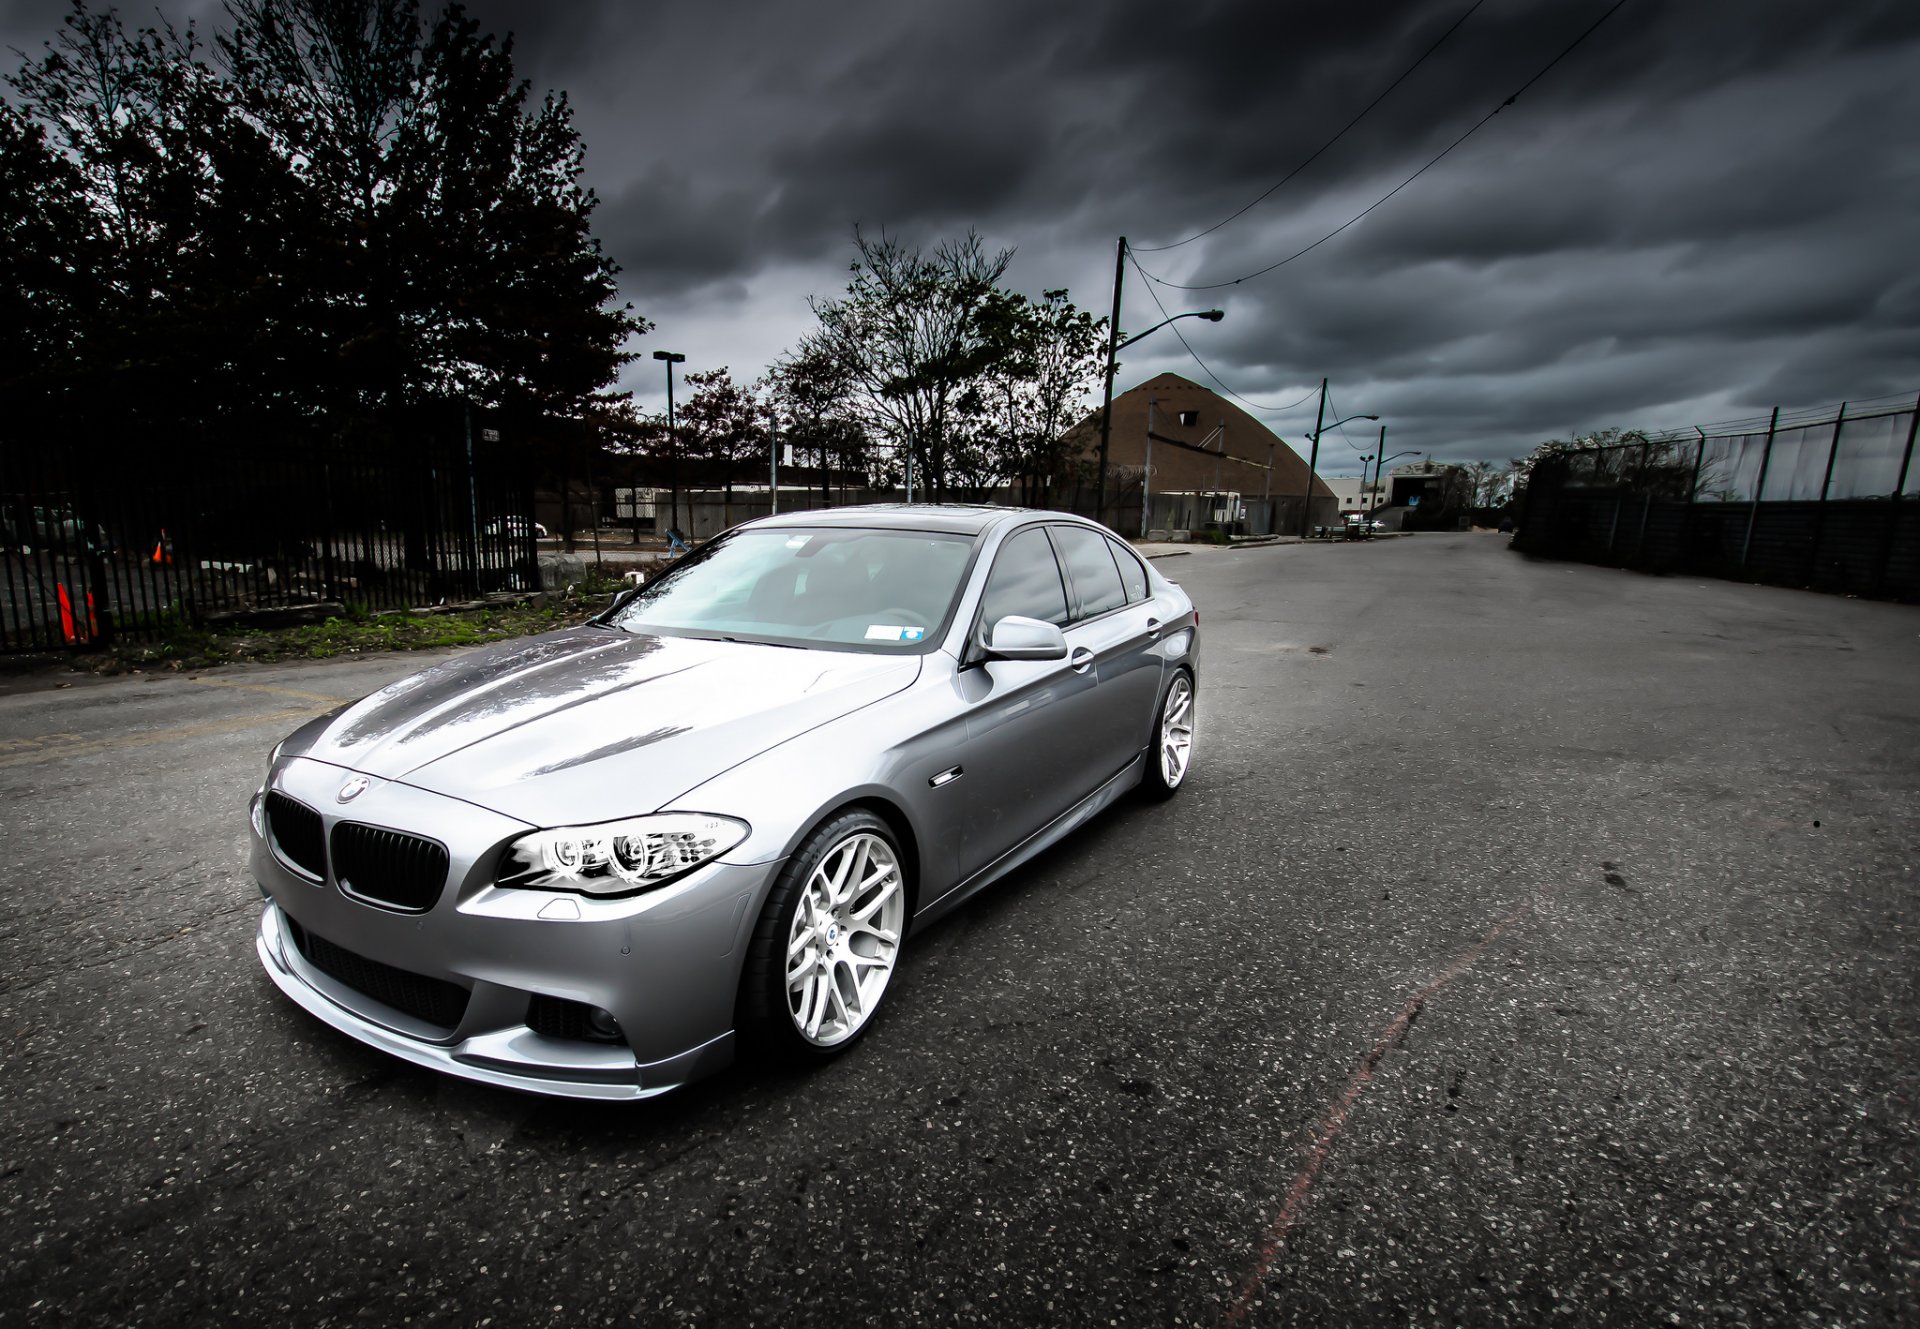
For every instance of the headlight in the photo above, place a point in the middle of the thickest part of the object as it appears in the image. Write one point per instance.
(617, 857)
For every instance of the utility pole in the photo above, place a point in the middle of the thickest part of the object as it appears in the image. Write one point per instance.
(1313, 462)
(1146, 476)
(1106, 398)
(1376, 466)
(1266, 491)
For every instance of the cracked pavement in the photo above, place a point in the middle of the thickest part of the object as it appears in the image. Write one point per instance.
(1677, 1087)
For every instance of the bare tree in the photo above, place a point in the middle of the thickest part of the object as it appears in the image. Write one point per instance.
(911, 337)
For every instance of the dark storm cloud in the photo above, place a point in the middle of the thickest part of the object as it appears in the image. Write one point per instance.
(1703, 210)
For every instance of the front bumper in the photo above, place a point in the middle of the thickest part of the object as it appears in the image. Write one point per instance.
(665, 964)
(512, 1057)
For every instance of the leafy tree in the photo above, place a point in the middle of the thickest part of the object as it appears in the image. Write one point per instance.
(724, 425)
(50, 265)
(462, 260)
(1048, 358)
(340, 222)
(175, 217)
(814, 413)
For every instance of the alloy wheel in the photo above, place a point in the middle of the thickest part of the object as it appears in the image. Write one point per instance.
(1176, 733)
(844, 939)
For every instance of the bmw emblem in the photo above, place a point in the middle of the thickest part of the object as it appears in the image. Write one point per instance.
(353, 788)
(833, 934)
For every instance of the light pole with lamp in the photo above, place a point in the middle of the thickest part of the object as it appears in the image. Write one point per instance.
(1379, 467)
(1106, 404)
(1114, 347)
(1313, 462)
(672, 358)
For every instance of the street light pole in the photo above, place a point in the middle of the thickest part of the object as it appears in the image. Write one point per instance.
(1114, 346)
(1313, 462)
(1380, 450)
(672, 358)
(1106, 380)
(1380, 466)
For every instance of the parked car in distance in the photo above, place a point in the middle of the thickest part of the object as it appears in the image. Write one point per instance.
(597, 862)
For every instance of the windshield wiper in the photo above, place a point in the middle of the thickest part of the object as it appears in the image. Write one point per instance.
(756, 641)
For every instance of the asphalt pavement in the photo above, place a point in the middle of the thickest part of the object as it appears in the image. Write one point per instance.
(1533, 942)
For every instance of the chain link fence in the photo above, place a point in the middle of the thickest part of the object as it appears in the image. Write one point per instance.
(1820, 498)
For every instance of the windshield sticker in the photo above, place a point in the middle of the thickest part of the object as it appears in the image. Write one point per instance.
(799, 541)
(885, 632)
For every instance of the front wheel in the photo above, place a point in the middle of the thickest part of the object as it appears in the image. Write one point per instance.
(827, 941)
(1172, 754)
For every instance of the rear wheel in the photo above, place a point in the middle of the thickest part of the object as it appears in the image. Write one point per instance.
(824, 950)
(1172, 754)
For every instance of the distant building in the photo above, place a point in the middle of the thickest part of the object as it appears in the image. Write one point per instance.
(1428, 495)
(1347, 491)
(1211, 463)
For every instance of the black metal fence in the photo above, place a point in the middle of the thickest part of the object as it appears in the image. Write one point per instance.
(1818, 499)
(134, 548)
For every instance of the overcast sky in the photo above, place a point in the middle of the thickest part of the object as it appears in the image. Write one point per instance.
(1704, 210)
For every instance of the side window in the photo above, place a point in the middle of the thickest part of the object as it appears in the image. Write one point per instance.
(1096, 582)
(1025, 580)
(1132, 574)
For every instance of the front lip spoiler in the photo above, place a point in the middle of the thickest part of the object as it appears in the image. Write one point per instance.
(488, 1058)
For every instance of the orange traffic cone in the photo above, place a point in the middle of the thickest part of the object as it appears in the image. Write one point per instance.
(66, 614)
(163, 551)
(93, 619)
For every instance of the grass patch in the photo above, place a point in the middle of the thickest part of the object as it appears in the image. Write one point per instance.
(355, 633)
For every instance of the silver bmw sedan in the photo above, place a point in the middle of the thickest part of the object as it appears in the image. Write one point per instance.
(599, 862)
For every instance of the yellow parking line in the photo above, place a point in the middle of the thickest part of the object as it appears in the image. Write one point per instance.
(268, 688)
(18, 744)
(81, 747)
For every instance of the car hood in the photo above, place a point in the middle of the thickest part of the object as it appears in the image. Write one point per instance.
(591, 724)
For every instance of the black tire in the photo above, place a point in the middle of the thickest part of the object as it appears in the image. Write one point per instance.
(766, 1023)
(1156, 784)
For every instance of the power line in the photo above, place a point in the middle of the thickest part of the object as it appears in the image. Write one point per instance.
(1276, 410)
(1156, 249)
(1341, 425)
(1434, 161)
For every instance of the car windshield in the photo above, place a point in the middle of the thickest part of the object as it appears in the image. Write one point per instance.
(873, 590)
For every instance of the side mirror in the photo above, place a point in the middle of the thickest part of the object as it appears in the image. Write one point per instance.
(1018, 638)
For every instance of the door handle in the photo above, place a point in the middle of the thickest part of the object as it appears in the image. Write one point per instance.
(1153, 629)
(1081, 659)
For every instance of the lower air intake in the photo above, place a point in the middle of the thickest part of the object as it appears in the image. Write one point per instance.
(434, 1000)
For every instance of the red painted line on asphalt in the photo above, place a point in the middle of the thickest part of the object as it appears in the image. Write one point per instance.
(1336, 1117)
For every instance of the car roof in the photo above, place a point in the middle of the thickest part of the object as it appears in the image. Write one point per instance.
(946, 518)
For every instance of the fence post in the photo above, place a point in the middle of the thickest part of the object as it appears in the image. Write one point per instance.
(1759, 488)
(1820, 509)
(326, 535)
(1893, 504)
(1693, 500)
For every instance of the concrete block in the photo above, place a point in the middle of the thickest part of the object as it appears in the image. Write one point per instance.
(559, 570)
